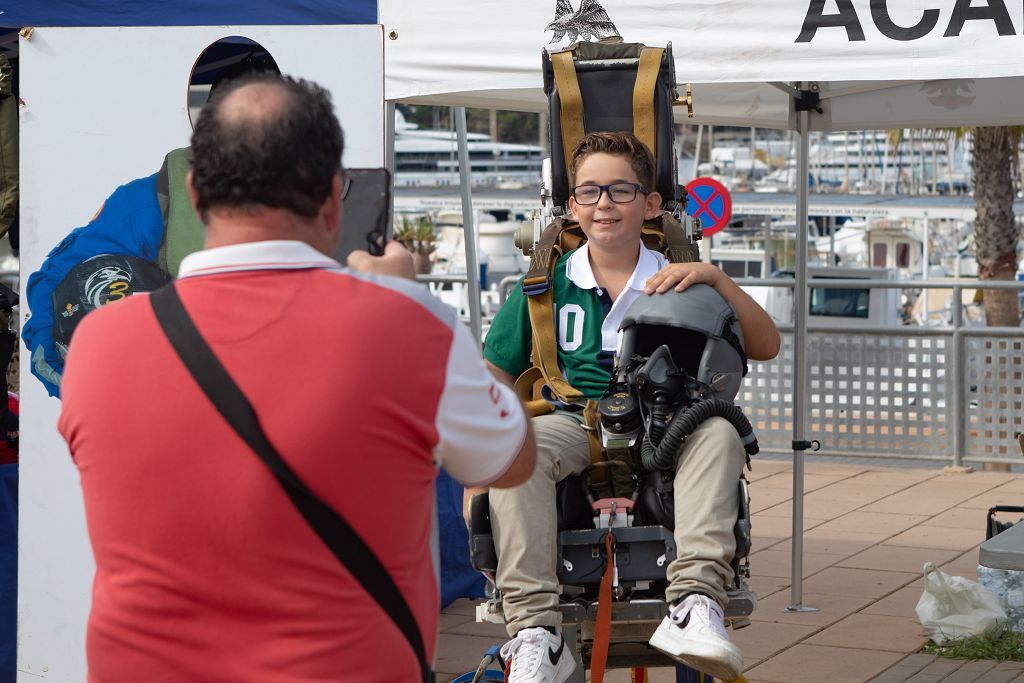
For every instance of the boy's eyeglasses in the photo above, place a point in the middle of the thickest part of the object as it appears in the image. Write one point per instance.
(620, 193)
(346, 185)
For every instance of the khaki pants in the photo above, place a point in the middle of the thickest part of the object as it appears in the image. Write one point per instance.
(525, 524)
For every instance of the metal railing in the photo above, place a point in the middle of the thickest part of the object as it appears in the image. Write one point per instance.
(949, 393)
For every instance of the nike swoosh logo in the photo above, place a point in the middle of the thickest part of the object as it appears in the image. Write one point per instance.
(554, 655)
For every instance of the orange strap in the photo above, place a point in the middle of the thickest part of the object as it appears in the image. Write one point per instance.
(603, 626)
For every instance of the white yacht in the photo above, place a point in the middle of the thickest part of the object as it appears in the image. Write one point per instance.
(429, 158)
(870, 161)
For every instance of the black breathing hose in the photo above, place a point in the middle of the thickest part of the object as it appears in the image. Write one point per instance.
(663, 455)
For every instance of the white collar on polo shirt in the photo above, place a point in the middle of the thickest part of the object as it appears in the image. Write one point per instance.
(268, 255)
(580, 273)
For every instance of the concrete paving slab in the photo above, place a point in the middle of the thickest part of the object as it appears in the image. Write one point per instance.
(831, 608)
(831, 542)
(874, 632)
(900, 503)
(994, 497)
(964, 565)
(885, 524)
(900, 603)
(904, 669)
(779, 563)
(811, 663)
(817, 507)
(892, 476)
(958, 518)
(866, 493)
(763, 586)
(1014, 485)
(938, 537)
(971, 672)
(812, 482)
(779, 524)
(762, 640)
(857, 583)
(763, 498)
(898, 558)
(937, 670)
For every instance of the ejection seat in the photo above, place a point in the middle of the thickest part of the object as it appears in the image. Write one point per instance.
(613, 87)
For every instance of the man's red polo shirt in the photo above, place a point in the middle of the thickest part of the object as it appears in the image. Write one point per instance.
(204, 569)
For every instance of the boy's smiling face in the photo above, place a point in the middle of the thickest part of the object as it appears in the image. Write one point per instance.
(611, 226)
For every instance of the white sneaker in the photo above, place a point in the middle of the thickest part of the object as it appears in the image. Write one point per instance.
(693, 634)
(538, 656)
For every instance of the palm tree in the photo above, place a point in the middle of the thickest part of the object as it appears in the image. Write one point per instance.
(994, 165)
(996, 234)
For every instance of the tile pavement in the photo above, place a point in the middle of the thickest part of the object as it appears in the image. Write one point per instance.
(867, 532)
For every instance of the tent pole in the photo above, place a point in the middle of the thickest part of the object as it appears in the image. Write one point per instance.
(799, 368)
(469, 238)
(389, 151)
(926, 258)
(696, 151)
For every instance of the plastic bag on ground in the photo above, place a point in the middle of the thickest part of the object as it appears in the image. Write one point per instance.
(953, 607)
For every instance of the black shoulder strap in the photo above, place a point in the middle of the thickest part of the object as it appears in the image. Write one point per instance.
(357, 557)
(734, 341)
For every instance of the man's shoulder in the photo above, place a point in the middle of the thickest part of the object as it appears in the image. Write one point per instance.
(413, 292)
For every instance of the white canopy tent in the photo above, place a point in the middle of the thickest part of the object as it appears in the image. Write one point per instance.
(861, 64)
(737, 55)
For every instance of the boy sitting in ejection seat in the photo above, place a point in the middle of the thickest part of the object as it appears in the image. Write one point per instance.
(613, 174)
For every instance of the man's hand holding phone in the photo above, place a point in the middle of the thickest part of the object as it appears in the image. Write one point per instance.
(396, 261)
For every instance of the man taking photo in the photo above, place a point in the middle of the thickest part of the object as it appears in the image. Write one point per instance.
(351, 387)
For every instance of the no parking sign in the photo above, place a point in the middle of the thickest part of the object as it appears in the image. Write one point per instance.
(710, 202)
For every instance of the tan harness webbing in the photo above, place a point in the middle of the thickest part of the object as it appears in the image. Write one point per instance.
(552, 244)
(570, 114)
(545, 346)
(671, 239)
(644, 124)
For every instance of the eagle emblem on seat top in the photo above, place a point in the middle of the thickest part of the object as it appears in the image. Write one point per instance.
(590, 22)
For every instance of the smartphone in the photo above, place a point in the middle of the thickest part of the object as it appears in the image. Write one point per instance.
(366, 220)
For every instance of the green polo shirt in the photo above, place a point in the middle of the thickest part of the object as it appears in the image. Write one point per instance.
(586, 322)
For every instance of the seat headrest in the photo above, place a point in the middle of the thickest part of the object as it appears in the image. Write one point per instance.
(607, 75)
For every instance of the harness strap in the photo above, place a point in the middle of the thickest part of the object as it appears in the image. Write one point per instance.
(545, 346)
(544, 257)
(591, 420)
(676, 247)
(603, 623)
(524, 388)
(343, 541)
(644, 124)
(570, 113)
(734, 341)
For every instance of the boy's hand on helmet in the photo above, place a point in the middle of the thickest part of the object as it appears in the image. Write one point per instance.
(682, 275)
(396, 261)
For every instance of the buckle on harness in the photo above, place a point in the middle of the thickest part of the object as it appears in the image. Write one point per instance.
(535, 286)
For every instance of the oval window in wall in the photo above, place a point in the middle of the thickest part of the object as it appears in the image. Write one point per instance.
(224, 60)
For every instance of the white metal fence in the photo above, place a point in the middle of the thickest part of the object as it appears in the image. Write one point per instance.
(951, 393)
